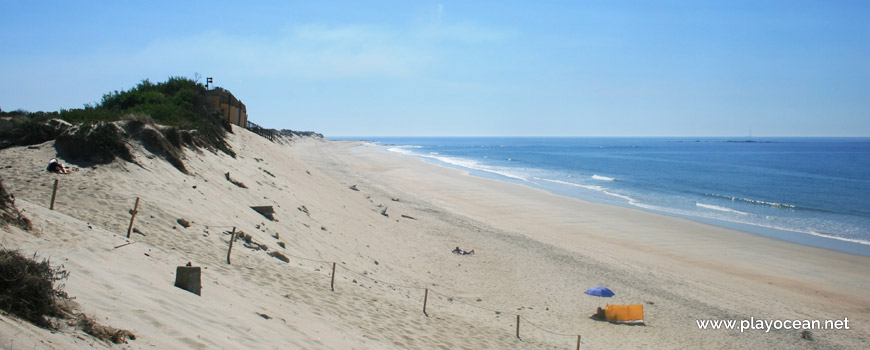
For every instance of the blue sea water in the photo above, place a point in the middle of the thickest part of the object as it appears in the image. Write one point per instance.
(812, 191)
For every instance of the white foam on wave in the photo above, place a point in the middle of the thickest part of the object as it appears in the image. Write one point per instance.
(735, 220)
(853, 240)
(460, 162)
(753, 201)
(400, 150)
(588, 187)
(602, 178)
(630, 200)
(723, 209)
(475, 165)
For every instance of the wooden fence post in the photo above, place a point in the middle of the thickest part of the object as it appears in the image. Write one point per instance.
(133, 217)
(53, 194)
(518, 327)
(232, 239)
(578, 342)
(425, 299)
(332, 283)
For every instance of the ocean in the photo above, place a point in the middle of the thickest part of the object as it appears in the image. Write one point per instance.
(813, 191)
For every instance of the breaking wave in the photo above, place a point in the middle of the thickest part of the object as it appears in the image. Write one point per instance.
(722, 209)
(630, 200)
(752, 201)
(459, 162)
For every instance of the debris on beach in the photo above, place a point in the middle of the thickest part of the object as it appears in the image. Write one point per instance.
(408, 217)
(806, 334)
(256, 246)
(304, 210)
(101, 332)
(277, 255)
(266, 211)
(354, 188)
(234, 182)
(183, 222)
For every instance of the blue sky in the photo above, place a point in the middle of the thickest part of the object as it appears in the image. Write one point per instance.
(464, 68)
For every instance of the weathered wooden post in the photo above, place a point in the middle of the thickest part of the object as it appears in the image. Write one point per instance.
(53, 194)
(578, 342)
(518, 327)
(133, 217)
(332, 283)
(425, 299)
(232, 239)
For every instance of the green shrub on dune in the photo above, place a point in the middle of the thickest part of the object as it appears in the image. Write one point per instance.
(181, 104)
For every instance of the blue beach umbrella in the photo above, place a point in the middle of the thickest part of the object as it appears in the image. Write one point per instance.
(600, 292)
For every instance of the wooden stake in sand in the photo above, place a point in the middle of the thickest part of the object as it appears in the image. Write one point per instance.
(332, 283)
(53, 194)
(518, 327)
(578, 342)
(425, 298)
(133, 217)
(232, 239)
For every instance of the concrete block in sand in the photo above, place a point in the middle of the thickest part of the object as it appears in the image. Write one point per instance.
(266, 211)
(189, 278)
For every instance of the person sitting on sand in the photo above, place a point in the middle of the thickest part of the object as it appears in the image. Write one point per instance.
(599, 314)
(55, 167)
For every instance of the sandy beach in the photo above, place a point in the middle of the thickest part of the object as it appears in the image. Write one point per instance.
(389, 224)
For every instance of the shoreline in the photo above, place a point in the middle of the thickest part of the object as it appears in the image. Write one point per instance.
(752, 274)
(818, 240)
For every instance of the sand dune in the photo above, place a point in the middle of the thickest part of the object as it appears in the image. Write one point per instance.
(535, 255)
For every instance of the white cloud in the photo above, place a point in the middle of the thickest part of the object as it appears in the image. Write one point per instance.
(303, 52)
(315, 51)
